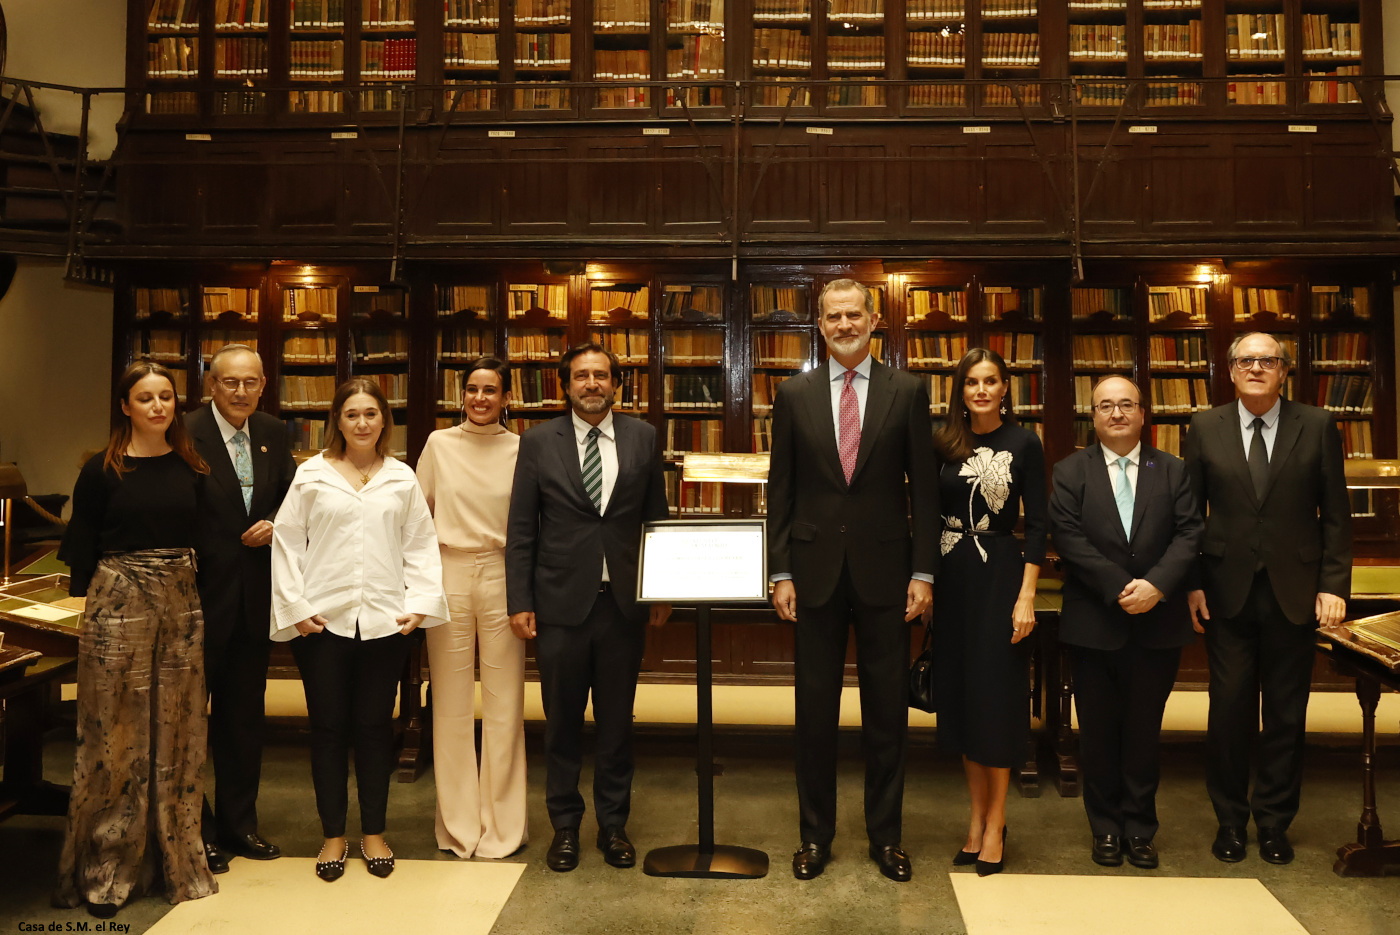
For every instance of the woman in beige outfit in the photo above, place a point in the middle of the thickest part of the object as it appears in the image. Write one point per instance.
(466, 472)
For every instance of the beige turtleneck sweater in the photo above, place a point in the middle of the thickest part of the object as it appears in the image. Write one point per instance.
(466, 473)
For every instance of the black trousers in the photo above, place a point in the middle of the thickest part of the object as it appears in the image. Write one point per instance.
(602, 657)
(1120, 695)
(1256, 655)
(236, 671)
(882, 667)
(350, 686)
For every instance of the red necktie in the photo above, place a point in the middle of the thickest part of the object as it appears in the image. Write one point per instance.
(848, 437)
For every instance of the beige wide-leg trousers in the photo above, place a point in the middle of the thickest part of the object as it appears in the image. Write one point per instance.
(479, 812)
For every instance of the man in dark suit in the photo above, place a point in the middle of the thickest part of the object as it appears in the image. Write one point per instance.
(1275, 563)
(584, 485)
(1127, 528)
(250, 469)
(853, 541)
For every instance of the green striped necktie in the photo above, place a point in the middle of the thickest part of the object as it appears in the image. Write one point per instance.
(593, 469)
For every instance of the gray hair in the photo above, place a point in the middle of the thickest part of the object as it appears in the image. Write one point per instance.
(847, 285)
(1282, 350)
(227, 350)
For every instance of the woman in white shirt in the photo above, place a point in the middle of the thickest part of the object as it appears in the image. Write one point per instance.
(355, 570)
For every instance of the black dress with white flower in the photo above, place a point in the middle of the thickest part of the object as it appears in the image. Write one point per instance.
(981, 679)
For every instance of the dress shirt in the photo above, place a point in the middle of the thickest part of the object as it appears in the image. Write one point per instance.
(1115, 476)
(227, 430)
(1270, 426)
(359, 558)
(607, 451)
(836, 374)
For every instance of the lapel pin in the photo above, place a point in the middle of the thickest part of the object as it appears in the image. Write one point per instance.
(263, 449)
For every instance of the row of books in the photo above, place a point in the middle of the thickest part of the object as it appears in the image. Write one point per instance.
(1086, 302)
(926, 302)
(1102, 350)
(699, 15)
(1341, 302)
(712, 96)
(552, 297)
(454, 299)
(936, 48)
(1256, 300)
(243, 57)
(781, 48)
(771, 96)
(765, 390)
(694, 347)
(1352, 393)
(1165, 301)
(1100, 42)
(164, 346)
(318, 14)
(1023, 393)
(780, 303)
(173, 14)
(300, 391)
(621, 64)
(1257, 90)
(1172, 395)
(930, 349)
(1171, 4)
(378, 99)
(240, 14)
(700, 56)
(309, 303)
(535, 387)
(1255, 36)
(634, 392)
(1357, 439)
(779, 10)
(1348, 349)
(1334, 92)
(148, 302)
(1323, 38)
(791, 349)
(681, 302)
(933, 95)
(1018, 349)
(1166, 437)
(999, 95)
(855, 52)
(1010, 48)
(1002, 301)
(1172, 41)
(694, 499)
(468, 96)
(542, 12)
(693, 390)
(389, 58)
(379, 345)
(479, 13)
(923, 11)
(864, 12)
(317, 60)
(470, 50)
(1178, 94)
(1180, 351)
(394, 386)
(995, 9)
(387, 13)
(221, 337)
(629, 345)
(704, 435)
(309, 347)
(219, 302)
(316, 102)
(173, 102)
(172, 57)
(542, 98)
(537, 345)
(762, 433)
(542, 49)
(1084, 6)
(307, 434)
(621, 15)
(463, 345)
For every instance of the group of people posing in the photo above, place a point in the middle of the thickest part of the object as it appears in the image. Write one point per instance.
(189, 534)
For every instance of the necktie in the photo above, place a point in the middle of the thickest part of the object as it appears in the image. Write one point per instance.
(1258, 459)
(848, 439)
(593, 469)
(243, 467)
(1124, 498)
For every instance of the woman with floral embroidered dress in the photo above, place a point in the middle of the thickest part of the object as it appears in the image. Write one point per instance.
(984, 602)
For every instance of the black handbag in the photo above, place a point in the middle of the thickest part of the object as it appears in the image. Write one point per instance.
(921, 675)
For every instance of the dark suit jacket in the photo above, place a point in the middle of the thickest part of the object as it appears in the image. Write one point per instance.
(1301, 530)
(1100, 559)
(885, 524)
(556, 540)
(226, 566)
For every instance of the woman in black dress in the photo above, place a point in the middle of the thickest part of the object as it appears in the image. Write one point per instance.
(984, 604)
(133, 817)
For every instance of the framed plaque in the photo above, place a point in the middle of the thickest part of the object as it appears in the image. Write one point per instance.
(704, 561)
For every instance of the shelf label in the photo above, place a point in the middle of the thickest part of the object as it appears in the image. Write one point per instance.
(345, 135)
(820, 131)
(366, 288)
(198, 137)
(656, 131)
(1302, 128)
(977, 129)
(1142, 129)
(500, 134)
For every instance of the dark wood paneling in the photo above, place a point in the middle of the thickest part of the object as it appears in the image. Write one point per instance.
(620, 186)
(779, 187)
(857, 189)
(370, 180)
(307, 190)
(233, 194)
(1110, 188)
(536, 193)
(1268, 184)
(161, 198)
(1016, 191)
(942, 187)
(1184, 188)
(459, 195)
(693, 192)
(1349, 186)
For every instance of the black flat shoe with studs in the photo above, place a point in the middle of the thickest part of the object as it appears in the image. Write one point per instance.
(332, 870)
(378, 866)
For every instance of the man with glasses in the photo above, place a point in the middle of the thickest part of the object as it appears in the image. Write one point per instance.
(1275, 563)
(1128, 531)
(250, 469)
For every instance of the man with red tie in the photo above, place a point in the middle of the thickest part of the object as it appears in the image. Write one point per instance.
(853, 530)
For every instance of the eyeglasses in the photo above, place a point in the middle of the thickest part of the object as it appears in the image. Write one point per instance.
(233, 385)
(1127, 407)
(1247, 363)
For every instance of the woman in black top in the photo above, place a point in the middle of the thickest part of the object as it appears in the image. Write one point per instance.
(134, 815)
(984, 605)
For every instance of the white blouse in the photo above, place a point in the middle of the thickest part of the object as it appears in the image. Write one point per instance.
(354, 556)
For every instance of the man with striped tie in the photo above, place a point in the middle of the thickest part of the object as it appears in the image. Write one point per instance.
(584, 485)
(1127, 529)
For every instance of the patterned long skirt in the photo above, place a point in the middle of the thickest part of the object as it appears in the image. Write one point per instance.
(134, 815)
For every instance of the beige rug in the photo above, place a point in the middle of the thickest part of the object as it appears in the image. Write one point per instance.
(276, 896)
(1024, 904)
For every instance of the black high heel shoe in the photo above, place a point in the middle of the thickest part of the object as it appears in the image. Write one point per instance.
(986, 868)
(965, 858)
(378, 866)
(332, 870)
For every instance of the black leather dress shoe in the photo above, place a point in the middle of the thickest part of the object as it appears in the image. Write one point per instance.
(1108, 850)
(562, 855)
(1274, 846)
(217, 859)
(1229, 844)
(1141, 853)
(617, 850)
(893, 862)
(102, 910)
(810, 860)
(251, 846)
